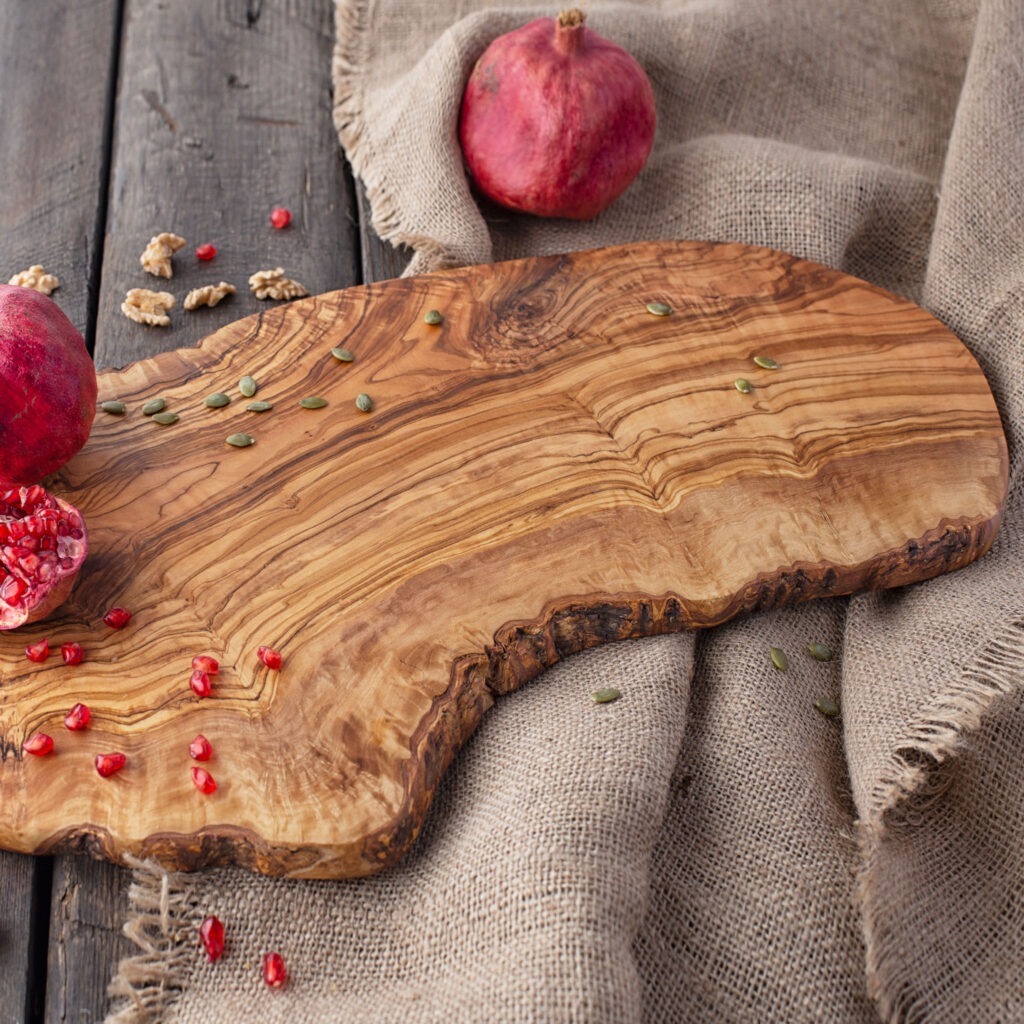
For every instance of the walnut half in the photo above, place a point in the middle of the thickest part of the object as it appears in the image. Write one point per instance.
(37, 279)
(208, 295)
(146, 307)
(272, 284)
(156, 258)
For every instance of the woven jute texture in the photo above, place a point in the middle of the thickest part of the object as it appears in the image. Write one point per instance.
(710, 848)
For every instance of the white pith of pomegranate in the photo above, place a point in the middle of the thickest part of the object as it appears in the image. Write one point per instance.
(43, 543)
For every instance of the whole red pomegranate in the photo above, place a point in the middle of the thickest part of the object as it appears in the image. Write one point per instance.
(556, 120)
(43, 543)
(47, 387)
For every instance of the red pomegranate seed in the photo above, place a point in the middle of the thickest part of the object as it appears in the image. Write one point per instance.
(211, 934)
(72, 654)
(205, 252)
(108, 764)
(209, 665)
(78, 717)
(38, 743)
(39, 651)
(280, 217)
(200, 683)
(203, 780)
(269, 657)
(199, 749)
(274, 973)
(117, 618)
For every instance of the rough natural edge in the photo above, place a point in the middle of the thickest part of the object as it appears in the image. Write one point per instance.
(911, 782)
(521, 651)
(163, 912)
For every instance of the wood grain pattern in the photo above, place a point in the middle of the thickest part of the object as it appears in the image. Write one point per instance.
(551, 468)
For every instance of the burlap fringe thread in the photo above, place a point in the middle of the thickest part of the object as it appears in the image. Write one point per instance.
(163, 927)
(910, 789)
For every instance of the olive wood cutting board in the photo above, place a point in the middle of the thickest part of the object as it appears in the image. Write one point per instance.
(550, 468)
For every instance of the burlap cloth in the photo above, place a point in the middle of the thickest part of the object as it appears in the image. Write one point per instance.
(709, 848)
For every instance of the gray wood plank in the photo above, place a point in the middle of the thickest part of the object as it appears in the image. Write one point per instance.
(23, 909)
(89, 905)
(56, 76)
(55, 79)
(223, 112)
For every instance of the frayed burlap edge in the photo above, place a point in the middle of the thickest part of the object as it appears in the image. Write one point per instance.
(911, 785)
(163, 913)
(351, 53)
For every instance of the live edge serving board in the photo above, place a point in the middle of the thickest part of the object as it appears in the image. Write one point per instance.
(550, 468)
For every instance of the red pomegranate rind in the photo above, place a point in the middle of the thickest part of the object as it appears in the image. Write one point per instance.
(47, 387)
(43, 543)
(556, 120)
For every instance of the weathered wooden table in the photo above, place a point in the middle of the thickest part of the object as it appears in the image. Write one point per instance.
(121, 119)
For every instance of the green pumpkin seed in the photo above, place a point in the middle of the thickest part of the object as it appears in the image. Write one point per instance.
(259, 407)
(114, 408)
(165, 418)
(240, 440)
(151, 408)
(343, 355)
(247, 386)
(364, 403)
(766, 362)
(432, 317)
(216, 401)
(779, 659)
(827, 706)
(605, 695)
(743, 386)
(313, 402)
(819, 651)
(658, 308)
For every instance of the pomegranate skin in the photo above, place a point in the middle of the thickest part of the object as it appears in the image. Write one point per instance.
(556, 121)
(47, 387)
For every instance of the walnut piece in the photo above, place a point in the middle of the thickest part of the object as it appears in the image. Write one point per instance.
(37, 279)
(156, 259)
(146, 307)
(272, 284)
(208, 295)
